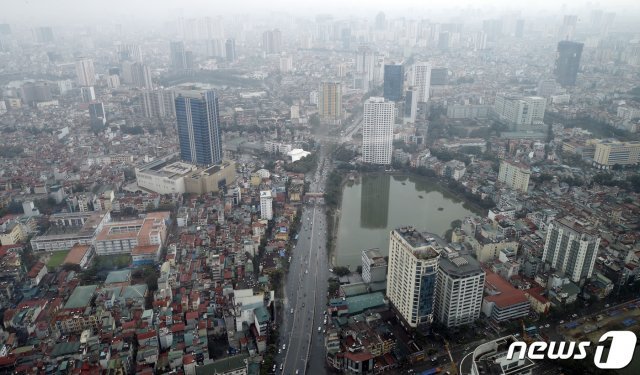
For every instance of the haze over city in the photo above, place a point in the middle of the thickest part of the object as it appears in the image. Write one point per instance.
(329, 187)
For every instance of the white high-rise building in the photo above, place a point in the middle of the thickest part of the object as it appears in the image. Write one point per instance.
(374, 266)
(514, 175)
(366, 63)
(571, 247)
(88, 94)
(377, 131)
(286, 64)
(422, 80)
(266, 205)
(412, 275)
(85, 72)
(158, 103)
(458, 289)
(520, 111)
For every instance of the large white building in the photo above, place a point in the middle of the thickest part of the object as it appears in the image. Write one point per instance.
(134, 236)
(374, 267)
(159, 103)
(168, 176)
(266, 205)
(422, 80)
(68, 229)
(377, 131)
(521, 113)
(458, 290)
(164, 176)
(610, 153)
(85, 72)
(412, 275)
(366, 64)
(571, 247)
(514, 175)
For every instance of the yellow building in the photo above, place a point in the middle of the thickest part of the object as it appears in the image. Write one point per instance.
(330, 102)
(609, 153)
(211, 179)
(12, 234)
(255, 179)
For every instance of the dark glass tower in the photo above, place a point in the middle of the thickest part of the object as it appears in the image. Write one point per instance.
(393, 82)
(568, 62)
(198, 126)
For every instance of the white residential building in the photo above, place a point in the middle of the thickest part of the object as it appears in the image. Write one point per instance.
(520, 112)
(412, 275)
(571, 247)
(377, 131)
(422, 80)
(374, 267)
(85, 72)
(514, 175)
(266, 205)
(458, 290)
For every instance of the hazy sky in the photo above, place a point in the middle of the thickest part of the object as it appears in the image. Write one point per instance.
(81, 11)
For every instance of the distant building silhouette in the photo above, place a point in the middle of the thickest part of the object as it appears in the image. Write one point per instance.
(230, 50)
(393, 82)
(568, 62)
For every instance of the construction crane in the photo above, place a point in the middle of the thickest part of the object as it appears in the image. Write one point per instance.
(454, 367)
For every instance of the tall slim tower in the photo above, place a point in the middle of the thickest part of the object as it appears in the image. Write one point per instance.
(85, 72)
(198, 126)
(422, 80)
(393, 82)
(130, 52)
(272, 41)
(571, 247)
(459, 289)
(412, 275)
(568, 62)
(266, 205)
(178, 56)
(377, 131)
(365, 64)
(230, 50)
(330, 102)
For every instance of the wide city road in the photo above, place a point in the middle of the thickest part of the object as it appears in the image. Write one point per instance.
(301, 347)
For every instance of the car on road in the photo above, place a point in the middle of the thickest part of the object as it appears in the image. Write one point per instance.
(292, 311)
(284, 346)
(319, 329)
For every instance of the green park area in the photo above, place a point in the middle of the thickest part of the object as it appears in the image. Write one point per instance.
(56, 259)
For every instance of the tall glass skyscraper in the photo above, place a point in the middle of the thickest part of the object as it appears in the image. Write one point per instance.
(393, 82)
(568, 62)
(198, 126)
